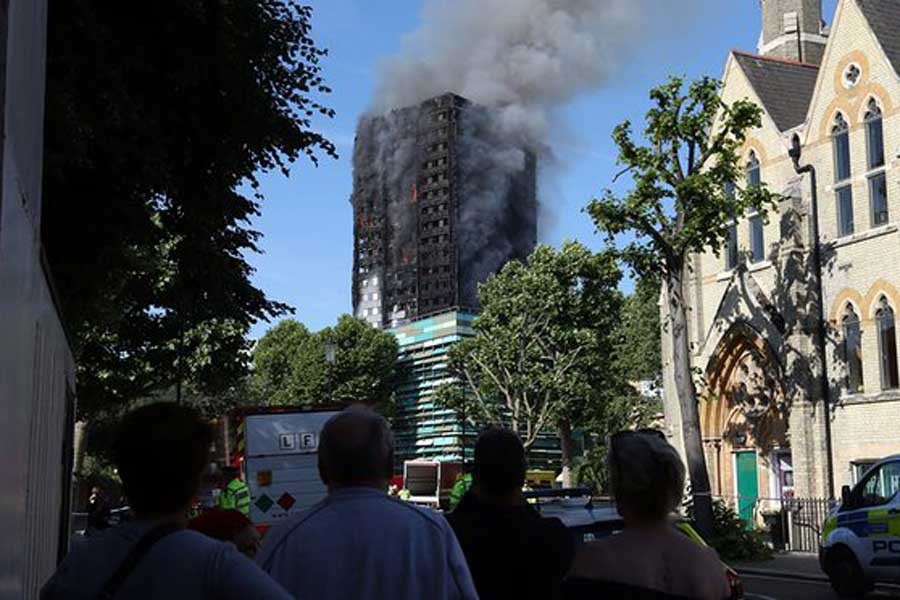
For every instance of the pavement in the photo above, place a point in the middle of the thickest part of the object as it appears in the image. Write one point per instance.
(794, 576)
(794, 565)
(783, 588)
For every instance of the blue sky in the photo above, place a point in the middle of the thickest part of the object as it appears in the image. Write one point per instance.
(306, 218)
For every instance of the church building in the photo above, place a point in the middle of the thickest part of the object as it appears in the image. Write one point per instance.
(789, 408)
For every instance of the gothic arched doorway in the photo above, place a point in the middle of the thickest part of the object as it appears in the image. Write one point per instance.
(745, 423)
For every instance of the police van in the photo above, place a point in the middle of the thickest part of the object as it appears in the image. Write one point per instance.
(860, 543)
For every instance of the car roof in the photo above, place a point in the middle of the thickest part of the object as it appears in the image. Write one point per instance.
(581, 516)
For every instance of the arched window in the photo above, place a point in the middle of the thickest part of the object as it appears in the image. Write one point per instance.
(840, 136)
(878, 201)
(731, 248)
(874, 135)
(853, 350)
(887, 344)
(757, 239)
(753, 176)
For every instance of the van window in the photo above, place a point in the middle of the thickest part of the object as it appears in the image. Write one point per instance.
(880, 486)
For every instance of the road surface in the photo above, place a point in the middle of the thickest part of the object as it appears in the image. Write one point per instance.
(778, 588)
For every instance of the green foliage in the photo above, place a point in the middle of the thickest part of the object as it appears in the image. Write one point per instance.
(290, 366)
(365, 363)
(543, 353)
(680, 201)
(275, 359)
(731, 538)
(639, 333)
(100, 429)
(95, 471)
(686, 194)
(629, 411)
(156, 120)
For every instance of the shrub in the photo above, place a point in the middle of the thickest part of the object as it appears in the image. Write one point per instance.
(732, 538)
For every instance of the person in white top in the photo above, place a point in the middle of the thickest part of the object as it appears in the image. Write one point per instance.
(160, 451)
(650, 558)
(358, 542)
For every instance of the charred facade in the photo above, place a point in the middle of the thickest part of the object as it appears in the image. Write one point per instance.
(442, 199)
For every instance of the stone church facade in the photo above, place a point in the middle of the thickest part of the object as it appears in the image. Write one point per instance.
(754, 308)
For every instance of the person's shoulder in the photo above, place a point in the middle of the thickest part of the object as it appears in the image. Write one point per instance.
(293, 528)
(295, 522)
(685, 546)
(593, 556)
(90, 560)
(192, 540)
(191, 547)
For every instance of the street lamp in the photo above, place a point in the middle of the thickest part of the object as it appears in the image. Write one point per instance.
(795, 153)
(330, 351)
(330, 358)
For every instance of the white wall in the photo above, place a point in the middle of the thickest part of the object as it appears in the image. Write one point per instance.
(36, 367)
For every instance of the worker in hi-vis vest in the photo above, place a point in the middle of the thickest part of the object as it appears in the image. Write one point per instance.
(235, 494)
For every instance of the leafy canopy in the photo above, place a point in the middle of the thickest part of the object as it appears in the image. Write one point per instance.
(686, 174)
(291, 366)
(638, 348)
(158, 121)
(543, 349)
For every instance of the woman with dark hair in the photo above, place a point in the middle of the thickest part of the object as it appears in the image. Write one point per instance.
(649, 560)
(160, 451)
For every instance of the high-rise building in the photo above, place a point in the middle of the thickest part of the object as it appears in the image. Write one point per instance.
(423, 429)
(442, 199)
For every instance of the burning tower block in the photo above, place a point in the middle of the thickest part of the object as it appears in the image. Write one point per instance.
(442, 199)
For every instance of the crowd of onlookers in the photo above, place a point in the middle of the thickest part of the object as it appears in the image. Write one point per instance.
(359, 543)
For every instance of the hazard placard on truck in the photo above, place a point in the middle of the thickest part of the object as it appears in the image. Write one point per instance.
(281, 463)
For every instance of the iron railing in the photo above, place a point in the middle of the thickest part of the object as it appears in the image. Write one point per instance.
(805, 519)
(795, 524)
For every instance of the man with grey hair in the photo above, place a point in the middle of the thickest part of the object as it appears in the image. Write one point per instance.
(359, 542)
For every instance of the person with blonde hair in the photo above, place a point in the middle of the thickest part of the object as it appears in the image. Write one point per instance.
(650, 559)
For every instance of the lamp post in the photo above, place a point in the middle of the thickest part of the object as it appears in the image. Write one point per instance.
(795, 153)
(330, 359)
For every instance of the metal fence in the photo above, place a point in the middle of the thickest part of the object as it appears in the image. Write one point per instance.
(805, 518)
(793, 524)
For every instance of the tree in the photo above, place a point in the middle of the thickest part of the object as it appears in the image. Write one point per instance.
(543, 351)
(155, 120)
(291, 366)
(364, 364)
(639, 332)
(274, 362)
(683, 200)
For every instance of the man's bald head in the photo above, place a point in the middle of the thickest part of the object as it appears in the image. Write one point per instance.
(356, 448)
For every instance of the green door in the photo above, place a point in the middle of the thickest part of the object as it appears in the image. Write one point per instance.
(747, 484)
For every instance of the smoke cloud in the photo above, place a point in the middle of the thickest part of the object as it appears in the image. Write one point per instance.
(518, 61)
(524, 58)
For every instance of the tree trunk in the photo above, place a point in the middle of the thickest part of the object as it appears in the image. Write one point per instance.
(687, 399)
(567, 450)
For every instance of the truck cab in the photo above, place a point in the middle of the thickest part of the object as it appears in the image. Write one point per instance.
(860, 543)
